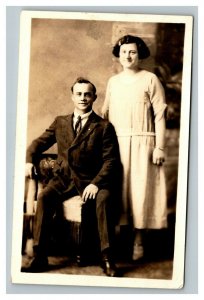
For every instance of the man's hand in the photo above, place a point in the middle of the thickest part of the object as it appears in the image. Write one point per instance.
(90, 192)
(158, 156)
(30, 170)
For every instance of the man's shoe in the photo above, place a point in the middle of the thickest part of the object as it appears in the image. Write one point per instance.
(109, 267)
(37, 265)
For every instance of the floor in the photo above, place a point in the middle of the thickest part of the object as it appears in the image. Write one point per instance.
(156, 264)
(148, 270)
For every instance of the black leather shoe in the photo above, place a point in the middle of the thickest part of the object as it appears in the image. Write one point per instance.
(37, 265)
(109, 267)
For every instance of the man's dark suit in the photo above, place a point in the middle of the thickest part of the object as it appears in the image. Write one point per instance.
(91, 157)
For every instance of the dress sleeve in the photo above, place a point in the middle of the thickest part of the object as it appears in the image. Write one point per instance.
(157, 98)
(105, 107)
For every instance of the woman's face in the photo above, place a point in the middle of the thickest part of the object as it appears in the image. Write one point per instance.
(128, 56)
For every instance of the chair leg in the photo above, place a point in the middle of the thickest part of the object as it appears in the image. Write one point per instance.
(27, 241)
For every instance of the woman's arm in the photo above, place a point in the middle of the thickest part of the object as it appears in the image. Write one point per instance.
(158, 153)
(159, 107)
(105, 107)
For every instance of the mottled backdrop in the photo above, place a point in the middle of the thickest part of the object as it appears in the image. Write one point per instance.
(62, 50)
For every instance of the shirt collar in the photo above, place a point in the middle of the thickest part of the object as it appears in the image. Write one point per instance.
(86, 115)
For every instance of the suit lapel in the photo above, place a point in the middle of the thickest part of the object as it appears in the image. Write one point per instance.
(68, 129)
(91, 123)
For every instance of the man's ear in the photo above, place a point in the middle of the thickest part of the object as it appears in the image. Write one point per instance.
(95, 97)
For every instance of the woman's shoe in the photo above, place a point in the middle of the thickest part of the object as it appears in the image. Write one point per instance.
(138, 251)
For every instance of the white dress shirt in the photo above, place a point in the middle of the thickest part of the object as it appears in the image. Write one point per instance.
(84, 118)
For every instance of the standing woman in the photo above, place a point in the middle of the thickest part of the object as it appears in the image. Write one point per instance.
(135, 105)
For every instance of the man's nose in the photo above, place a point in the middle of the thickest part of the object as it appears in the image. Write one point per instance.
(83, 97)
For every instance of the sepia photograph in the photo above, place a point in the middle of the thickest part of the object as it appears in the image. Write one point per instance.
(102, 148)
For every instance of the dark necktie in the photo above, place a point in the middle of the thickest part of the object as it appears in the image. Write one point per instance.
(78, 125)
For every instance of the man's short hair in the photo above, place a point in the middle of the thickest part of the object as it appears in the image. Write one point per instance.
(84, 80)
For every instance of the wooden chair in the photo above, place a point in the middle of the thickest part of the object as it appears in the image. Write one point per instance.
(71, 208)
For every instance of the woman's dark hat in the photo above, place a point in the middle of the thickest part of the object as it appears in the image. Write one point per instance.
(143, 50)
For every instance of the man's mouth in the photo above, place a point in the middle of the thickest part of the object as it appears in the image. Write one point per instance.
(84, 104)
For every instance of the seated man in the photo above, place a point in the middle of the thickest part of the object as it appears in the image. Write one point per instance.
(87, 163)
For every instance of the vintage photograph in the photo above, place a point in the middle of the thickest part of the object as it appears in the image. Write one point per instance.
(101, 164)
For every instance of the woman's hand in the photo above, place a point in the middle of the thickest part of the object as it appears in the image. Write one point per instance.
(89, 192)
(158, 156)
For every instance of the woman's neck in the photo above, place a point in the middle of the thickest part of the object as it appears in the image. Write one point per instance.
(130, 72)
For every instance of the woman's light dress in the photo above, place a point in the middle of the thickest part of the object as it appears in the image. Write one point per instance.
(134, 106)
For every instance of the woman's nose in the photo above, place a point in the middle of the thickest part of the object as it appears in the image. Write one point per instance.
(127, 55)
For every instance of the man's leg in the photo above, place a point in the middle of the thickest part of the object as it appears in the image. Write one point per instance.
(47, 203)
(103, 199)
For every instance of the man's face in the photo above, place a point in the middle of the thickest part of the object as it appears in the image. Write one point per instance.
(83, 97)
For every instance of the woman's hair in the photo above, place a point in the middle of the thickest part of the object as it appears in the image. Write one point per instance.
(84, 80)
(143, 50)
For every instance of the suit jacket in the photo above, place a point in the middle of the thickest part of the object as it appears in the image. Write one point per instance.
(91, 157)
